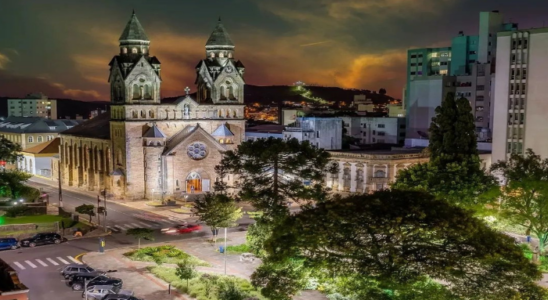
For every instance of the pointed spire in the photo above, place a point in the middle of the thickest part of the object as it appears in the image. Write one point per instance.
(219, 37)
(134, 31)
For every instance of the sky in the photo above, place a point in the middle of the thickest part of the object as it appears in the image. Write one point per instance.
(62, 47)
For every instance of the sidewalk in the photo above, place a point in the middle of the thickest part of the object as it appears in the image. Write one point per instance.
(146, 286)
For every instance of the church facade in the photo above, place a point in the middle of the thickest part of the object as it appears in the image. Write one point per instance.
(146, 148)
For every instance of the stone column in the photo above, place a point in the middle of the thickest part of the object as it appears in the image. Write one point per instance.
(341, 174)
(365, 176)
(353, 182)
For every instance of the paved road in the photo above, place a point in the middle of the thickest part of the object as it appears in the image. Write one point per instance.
(119, 217)
(39, 267)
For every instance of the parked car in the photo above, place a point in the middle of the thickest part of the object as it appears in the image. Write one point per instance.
(42, 239)
(101, 291)
(183, 229)
(78, 269)
(249, 257)
(120, 297)
(8, 243)
(78, 281)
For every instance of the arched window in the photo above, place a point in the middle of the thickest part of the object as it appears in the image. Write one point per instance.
(134, 50)
(186, 111)
(143, 114)
(136, 92)
(222, 92)
(221, 54)
(151, 114)
(144, 50)
(380, 174)
(134, 114)
(40, 139)
(148, 95)
(228, 113)
(231, 92)
(220, 113)
(234, 115)
(124, 50)
(229, 54)
(31, 139)
(212, 54)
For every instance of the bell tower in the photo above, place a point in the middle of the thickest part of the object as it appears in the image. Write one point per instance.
(219, 76)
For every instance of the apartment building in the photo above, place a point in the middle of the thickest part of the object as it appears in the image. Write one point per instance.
(33, 105)
(375, 130)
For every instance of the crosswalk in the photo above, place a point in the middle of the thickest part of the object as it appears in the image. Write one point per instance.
(45, 262)
(156, 224)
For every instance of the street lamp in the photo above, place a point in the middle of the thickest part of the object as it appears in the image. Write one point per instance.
(21, 200)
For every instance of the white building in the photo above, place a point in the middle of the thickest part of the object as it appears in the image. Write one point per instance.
(521, 106)
(324, 133)
(33, 105)
(375, 130)
(37, 160)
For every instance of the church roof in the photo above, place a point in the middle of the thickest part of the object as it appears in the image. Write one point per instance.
(98, 128)
(239, 64)
(222, 131)
(134, 30)
(186, 133)
(154, 132)
(49, 147)
(219, 37)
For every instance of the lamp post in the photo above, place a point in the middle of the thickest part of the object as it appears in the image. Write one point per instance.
(225, 249)
(60, 180)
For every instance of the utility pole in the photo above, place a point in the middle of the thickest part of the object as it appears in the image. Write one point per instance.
(60, 181)
(225, 250)
(98, 211)
(105, 210)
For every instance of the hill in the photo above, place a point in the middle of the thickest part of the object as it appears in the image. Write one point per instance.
(65, 107)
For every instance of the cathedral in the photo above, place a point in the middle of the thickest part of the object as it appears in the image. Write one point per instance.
(149, 148)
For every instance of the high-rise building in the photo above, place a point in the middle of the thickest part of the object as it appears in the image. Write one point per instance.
(520, 91)
(33, 105)
(468, 66)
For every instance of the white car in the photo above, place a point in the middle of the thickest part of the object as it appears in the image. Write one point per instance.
(249, 257)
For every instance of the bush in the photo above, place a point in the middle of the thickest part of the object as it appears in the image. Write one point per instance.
(17, 211)
(166, 254)
(28, 193)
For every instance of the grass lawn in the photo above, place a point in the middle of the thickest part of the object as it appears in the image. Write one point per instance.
(167, 254)
(543, 267)
(238, 249)
(204, 286)
(33, 219)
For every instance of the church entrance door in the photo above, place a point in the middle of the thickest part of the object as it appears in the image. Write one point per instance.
(193, 183)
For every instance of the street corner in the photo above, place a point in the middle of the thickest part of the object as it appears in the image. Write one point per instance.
(80, 257)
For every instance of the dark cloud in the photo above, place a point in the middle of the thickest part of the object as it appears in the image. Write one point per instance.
(62, 47)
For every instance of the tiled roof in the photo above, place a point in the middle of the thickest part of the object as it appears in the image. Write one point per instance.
(154, 132)
(50, 147)
(134, 30)
(222, 131)
(98, 127)
(219, 37)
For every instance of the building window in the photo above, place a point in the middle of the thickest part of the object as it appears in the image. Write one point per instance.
(413, 64)
(380, 133)
(413, 56)
(412, 73)
(31, 139)
(134, 50)
(380, 174)
(380, 125)
(39, 139)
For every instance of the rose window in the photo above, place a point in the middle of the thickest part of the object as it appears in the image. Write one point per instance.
(197, 150)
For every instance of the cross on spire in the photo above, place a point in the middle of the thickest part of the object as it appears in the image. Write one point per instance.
(187, 90)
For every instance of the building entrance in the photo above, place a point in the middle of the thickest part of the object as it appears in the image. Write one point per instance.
(193, 183)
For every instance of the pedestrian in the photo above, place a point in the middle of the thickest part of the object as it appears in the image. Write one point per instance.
(192, 189)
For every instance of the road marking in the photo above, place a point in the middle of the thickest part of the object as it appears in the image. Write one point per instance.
(118, 227)
(145, 224)
(62, 260)
(41, 262)
(135, 225)
(19, 265)
(74, 260)
(31, 264)
(78, 257)
(52, 261)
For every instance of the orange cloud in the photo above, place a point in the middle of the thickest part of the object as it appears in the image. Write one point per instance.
(4, 60)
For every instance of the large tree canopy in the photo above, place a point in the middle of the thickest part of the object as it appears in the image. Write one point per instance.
(524, 195)
(454, 171)
(9, 151)
(270, 171)
(398, 237)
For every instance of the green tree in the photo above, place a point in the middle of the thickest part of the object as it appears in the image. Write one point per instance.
(408, 235)
(9, 151)
(142, 233)
(217, 211)
(86, 209)
(270, 171)
(280, 280)
(185, 270)
(454, 171)
(11, 182)
(524, 195)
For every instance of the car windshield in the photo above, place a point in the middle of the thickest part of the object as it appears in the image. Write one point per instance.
(36, 236)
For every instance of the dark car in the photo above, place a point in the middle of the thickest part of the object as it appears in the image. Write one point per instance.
(120, 297)
(8, 243)
(42, 239)
(78, 269)
(78, 281)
